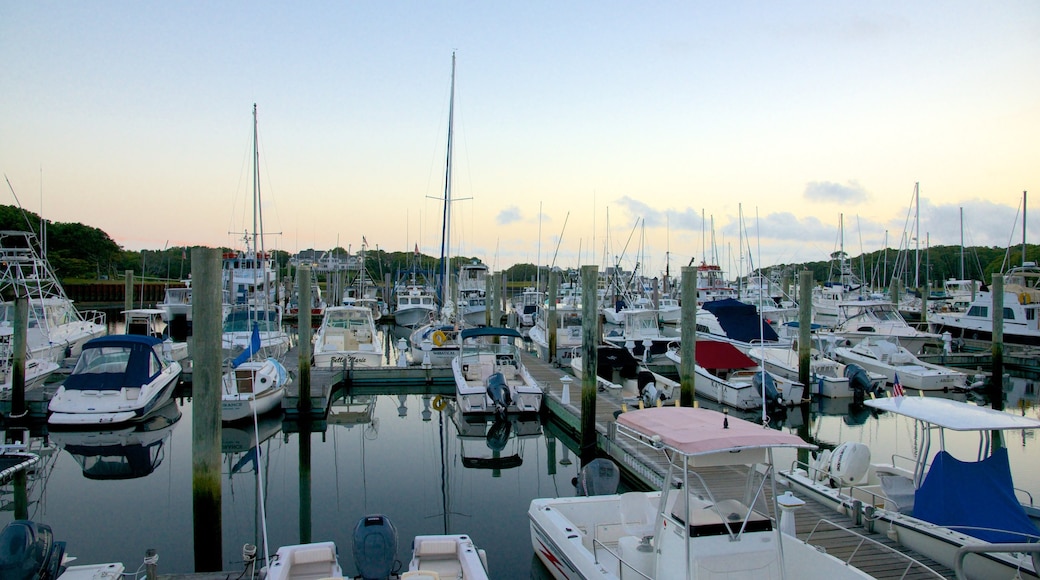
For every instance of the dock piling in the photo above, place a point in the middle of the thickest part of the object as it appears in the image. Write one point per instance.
(589, 341)
(688, 340)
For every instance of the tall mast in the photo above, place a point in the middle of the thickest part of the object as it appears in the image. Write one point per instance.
(962, 243)
(1023, 228)
(917, 234)
(255, 258)
(445, 227)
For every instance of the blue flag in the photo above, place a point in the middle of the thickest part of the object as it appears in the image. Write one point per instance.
(254, 346)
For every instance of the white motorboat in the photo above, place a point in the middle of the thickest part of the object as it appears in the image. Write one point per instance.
(889, 358)
(435, 344)
(347, 337)
(1021, 309)
(30, 551)
(669, 310)
(526, 303)
(828, 377)
(252, 388)
(642, 336)
(148, 322)
(727, 376)
(416, 305)
(686, 529)
(118, 379)
(56, 329)
(568, 331)
(446, 556)
(490, 376)
(472, 293)
(37, 371)
(859, 319)
(936, 504)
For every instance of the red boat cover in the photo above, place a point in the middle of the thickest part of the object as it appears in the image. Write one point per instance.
(714, 354)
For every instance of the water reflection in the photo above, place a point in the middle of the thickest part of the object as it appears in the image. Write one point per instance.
(494, 443)
(128, 453)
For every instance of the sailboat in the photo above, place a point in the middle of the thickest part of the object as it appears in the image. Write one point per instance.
(435, 342)
(255, 383)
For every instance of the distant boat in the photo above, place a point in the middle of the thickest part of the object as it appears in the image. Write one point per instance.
(1021, 311)
(887, 357)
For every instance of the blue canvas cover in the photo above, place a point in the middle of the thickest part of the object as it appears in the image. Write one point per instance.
(976, 494)
(135, 374)
(740, 320)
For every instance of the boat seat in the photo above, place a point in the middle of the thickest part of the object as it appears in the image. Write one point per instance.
(316, 562)
(333, 343)
(508, 371)
(638, 515)
(899, 493)
(437, 548)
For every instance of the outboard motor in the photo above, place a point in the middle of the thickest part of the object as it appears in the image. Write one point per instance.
(648, 388)
(375, 547)
(498, 435)
(599, 477)
(28, 552)
(860, 383)
(772, 395)
(498, 391)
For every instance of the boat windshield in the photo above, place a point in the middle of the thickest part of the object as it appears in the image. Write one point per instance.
(114, 367)
(242, 321)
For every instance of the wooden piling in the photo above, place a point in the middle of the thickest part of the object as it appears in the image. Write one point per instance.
(206, 400)
(924, 306)
(996, 386)
(589, 342)
(303, 289)
(21, 325)
(128, 293)
(494, 298)
(550, 320)
(688, 338)
(805, 286)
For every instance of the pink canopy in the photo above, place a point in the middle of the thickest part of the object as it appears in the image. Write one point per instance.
(696, 431)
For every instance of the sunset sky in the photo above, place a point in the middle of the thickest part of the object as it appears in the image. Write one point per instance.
(623, 123)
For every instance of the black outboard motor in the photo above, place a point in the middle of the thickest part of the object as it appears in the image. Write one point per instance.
(772, 395)
(375, 547)
(498, 435)
(28, 552)
(648, 388)
(860, 383)
(498, 391)
(600, 476)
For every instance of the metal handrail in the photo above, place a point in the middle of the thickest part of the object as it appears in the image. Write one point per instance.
(621, 561)
(963, 551)
(865, 540)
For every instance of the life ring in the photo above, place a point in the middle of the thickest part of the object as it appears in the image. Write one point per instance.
(439, 404)
(439, 338)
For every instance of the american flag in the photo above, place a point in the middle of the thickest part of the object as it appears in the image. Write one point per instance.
(897, 389)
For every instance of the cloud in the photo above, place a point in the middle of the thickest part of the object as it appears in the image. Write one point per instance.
(831, 192)
(509, 215)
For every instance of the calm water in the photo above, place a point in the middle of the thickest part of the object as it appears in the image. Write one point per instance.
(113, 495)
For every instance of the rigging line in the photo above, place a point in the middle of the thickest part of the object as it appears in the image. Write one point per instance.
(560, 240)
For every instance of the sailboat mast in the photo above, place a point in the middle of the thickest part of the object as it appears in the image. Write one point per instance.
(255, 258)
(445, 227)
(1023, 229)
(917, 234)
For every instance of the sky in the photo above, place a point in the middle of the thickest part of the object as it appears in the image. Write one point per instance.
(585, 132)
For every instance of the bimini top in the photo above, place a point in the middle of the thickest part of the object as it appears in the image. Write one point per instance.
(490, 331)
(954, 415)
(697, 431)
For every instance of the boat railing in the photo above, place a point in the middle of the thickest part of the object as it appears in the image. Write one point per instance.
(859, 494)
(622, 564)
(865, 546)
(963, 551)
(94, 317)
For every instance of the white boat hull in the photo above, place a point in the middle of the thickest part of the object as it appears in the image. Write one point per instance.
(83, 408)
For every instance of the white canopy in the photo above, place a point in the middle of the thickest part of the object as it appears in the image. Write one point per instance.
(954, 415)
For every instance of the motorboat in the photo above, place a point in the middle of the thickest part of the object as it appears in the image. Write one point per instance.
(728, 376)
(526, 304)
(827, 377)
(434, 344)
(446, 556)
(887, 357)
(686, 529)
(132, 451)
(938, 505)
(416, 304)
(490, 376)
(244, 322)
(1021, 307)
(56, 331)
(669, 311)
(37, 371)
(472, 293)
(15, 458)
(31, 553)
(118, 378)
(641, 335)
(568, 331)
(148, 322)
(859, 319)
(347, 338)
